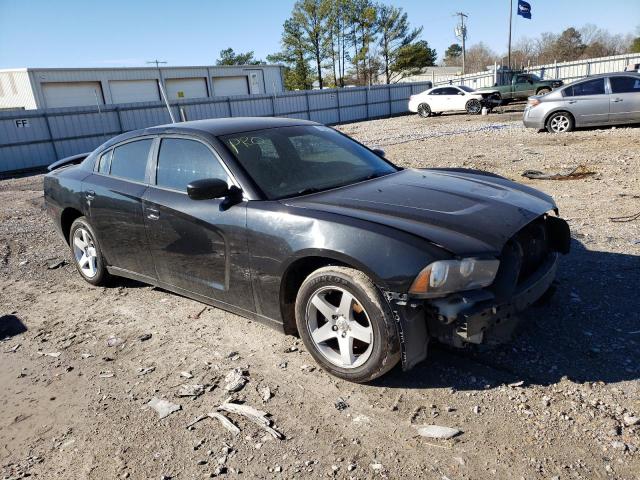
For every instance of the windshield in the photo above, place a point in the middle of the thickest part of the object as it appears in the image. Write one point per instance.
(466, 89)
(289, 161)
(535, 78)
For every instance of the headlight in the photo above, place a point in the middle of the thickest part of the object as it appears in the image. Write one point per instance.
(449, 276)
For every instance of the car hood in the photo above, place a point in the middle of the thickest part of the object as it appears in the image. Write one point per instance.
(463, 212)
(487, 90)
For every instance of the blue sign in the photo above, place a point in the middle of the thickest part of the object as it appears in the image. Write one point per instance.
(524, 9)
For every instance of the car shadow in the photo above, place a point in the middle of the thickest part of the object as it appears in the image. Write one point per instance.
(10, 326)
(589, 331)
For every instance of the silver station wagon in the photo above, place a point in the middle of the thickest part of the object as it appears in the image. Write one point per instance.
(607, 99)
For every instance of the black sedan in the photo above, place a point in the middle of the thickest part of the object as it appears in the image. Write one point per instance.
(296, 225)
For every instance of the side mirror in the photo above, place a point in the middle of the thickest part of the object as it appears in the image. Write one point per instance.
(460, 93)
(379, 152)
(207, 188)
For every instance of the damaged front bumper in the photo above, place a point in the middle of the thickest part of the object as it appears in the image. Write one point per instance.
(465, 318)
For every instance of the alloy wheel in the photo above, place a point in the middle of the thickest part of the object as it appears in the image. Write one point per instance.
(424, 110)
(560, 123)
(474, 107)
(84, 251)
(339, 327)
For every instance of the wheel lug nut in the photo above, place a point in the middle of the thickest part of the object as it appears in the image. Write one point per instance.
(335, 328)
(344, 335)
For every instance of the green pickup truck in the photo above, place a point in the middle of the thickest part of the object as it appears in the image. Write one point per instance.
(522, 86)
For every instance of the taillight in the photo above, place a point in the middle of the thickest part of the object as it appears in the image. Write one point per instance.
(533, 102)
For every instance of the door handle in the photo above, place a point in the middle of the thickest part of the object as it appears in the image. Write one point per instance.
(90, 194)
(616, 100)
(572, 101)
(153, 214)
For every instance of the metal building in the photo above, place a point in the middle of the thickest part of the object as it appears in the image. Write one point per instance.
(37, 88)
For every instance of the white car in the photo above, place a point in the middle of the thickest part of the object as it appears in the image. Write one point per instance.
(453, 98)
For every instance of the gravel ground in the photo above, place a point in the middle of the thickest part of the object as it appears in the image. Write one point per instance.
(79, 365)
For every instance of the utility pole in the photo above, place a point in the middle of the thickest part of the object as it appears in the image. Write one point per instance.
(510, 22)
(461, 32)
(161, 85)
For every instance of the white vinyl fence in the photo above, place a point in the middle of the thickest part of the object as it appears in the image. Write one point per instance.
(566, 71)
(33, 139)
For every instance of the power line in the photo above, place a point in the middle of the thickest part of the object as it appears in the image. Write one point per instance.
(157, 63)
(461, 31)
(510, 23)
(161, 86)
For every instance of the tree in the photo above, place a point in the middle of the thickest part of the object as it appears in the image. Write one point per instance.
(569, 45)
(522, 53)
(294, 54)
(363, 16)
(478, 57)
(601, 43)
(311, 16)
(453, 55)
(229, 57)
(635, 45)
(411, 59)
(395, 33)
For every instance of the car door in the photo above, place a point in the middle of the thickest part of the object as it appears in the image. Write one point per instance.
(197, 245)
(114, 195)
(459, 99)
(435, 100)
(448, 99)
(624, 106)
(523, 86)
(588, 102)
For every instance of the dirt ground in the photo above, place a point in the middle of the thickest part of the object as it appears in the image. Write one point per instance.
(77, 366)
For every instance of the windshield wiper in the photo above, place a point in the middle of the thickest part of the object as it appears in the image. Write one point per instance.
(307, 191)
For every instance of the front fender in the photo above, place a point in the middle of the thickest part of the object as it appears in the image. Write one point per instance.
(280, 235)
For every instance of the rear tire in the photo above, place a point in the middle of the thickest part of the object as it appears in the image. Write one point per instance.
(346, 324)
(560, 122)
(86, 252)
(424, 110)
(473, 106)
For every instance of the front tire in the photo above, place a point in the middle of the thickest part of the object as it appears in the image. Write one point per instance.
(473, 106)
(424, 110)
(560, 122)
(86, 252)
(346, 324)
(543, 91)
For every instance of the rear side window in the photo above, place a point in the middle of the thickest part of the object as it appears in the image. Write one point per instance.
(590, 87)
(182, 161)
(625, 84)
(104, 164)
(130, 160)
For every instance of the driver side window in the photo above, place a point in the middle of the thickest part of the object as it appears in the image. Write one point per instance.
(181, 161)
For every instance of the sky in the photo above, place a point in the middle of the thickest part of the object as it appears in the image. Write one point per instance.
(114, 33)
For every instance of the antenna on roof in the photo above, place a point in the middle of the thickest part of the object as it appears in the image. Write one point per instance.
(161, 86)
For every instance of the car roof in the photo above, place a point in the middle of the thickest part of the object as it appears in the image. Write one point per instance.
(610, 74)
(226, 126)
(444, 86)
(214, 126)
